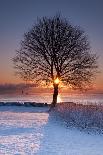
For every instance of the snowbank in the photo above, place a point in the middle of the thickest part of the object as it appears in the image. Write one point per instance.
(82, 116)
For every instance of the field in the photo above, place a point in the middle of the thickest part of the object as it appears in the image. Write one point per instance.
(34, 131)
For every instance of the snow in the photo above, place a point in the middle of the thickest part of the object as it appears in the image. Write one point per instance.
(34, 131)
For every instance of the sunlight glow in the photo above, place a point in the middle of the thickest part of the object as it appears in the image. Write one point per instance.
(59, 99)
(56, 81)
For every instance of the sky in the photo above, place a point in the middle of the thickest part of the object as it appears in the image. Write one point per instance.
(17, 16)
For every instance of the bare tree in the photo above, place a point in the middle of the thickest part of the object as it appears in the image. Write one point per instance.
(54, 51)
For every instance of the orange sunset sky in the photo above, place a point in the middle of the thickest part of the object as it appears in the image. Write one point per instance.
(17, 17)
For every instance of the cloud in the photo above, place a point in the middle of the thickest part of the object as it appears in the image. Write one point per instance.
(13, 88)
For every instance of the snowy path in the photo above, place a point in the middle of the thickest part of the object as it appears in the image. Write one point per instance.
(32, 131)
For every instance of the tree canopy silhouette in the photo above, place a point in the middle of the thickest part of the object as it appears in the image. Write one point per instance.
(53, 50)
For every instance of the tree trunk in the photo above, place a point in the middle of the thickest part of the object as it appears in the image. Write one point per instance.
(55, 95)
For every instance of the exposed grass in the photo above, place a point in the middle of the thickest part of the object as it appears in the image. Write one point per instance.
(82, 116)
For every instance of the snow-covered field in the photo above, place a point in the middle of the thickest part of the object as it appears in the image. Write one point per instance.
(34, 131)
(47, 98)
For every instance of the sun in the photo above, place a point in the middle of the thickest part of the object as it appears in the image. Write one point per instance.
(56, 81)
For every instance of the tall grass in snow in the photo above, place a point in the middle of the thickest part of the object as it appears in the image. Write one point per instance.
(84, 116)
